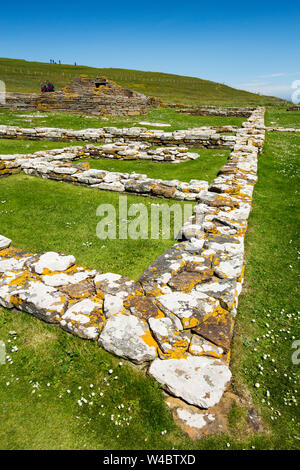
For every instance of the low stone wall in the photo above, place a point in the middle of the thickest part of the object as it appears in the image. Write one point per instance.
(189, 138)
(216, 111)
(282, 129)
(118, 151)
(294, 108)
(178, 318)
(58, 165)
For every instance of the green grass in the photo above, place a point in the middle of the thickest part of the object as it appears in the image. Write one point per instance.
(77, 121)
(206, 167)
(25, 76)
(51, 204)
(48, 355)
(11, 146)
(268, 322)
(282, 118)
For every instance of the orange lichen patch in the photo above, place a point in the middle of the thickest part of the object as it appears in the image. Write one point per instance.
(155, 291)
(12, 252)
(23, 279)
(217, 261)
(213, 229)
(15, 300)
(173, 354)
(226, 357)
(242, 274)
(58, 176)
(160, 314)
(190, 322)
(149, 340)
(74, 269)
(237, 192)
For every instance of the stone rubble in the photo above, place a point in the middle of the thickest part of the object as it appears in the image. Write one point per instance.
(179, 316)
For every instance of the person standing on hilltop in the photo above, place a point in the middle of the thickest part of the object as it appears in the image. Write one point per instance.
(50, 86)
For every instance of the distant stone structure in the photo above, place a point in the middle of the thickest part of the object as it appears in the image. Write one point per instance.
(294, 108)
(85, 95)
(216, 111)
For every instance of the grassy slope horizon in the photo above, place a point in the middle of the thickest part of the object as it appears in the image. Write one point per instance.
(25, 76)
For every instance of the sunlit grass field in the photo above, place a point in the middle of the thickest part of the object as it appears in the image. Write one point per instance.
(42, 382)
(78, 121)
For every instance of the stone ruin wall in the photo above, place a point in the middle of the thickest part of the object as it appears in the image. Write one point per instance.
(102, 96)
(208, 137)
(216, 111)
(177, 320)
(87, 96)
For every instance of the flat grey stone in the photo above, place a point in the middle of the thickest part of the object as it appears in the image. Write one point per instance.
(129, 337)
(4, 242)
(200, 381)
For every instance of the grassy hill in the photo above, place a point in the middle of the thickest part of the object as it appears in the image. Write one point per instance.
(24, 76)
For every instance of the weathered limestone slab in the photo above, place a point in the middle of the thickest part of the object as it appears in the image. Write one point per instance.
(31, 295)
(84, 318)
(4, 242)
(200, 381)
(191, 309)
(72, 275)
(200, 347)
(12, 259)
(143, 307)
(82, 289)
(172, 342)
(50, 261)
(129, 337)
(217, 327)
(185, 281)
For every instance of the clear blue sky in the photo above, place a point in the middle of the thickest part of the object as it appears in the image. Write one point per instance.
(253, 45)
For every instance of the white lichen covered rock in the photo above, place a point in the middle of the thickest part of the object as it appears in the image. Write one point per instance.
(33, 296)
(201, 347)
(73, 275)
(84, 319)
(4, 242)
(189, 308)
(199, 381)
(12, 264)
(129, 337)
(50, 261)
